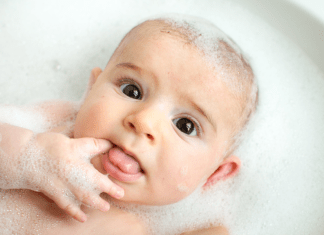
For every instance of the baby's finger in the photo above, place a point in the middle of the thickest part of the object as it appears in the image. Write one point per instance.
(107, 186)
(89, 147)
(96, 202)
(69, 206)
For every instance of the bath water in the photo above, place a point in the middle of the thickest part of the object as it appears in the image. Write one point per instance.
(47, 50)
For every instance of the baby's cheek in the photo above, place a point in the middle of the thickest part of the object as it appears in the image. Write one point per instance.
(88, 123)
(183, 187)
(185, 182)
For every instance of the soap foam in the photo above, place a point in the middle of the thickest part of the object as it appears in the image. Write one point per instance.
(184, 170)
(33, 161)
(279, 189)
(20, 213)
(23, 117)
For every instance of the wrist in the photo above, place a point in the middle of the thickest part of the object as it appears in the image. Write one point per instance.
(14, 139)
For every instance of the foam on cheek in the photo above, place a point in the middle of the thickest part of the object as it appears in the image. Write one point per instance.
(184, 170)
(182, 187)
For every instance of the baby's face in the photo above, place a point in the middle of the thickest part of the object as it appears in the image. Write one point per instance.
(158, 100)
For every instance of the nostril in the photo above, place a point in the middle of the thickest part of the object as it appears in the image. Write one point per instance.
(139, 130)
(131, 125)
(150, 137)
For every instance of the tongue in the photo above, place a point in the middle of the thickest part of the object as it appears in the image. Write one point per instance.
(124, 162)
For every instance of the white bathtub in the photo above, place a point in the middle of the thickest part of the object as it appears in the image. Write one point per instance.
(47, 50)
(301, 20)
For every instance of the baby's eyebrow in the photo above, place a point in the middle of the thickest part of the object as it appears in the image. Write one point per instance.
(196, 107)
(130, 66)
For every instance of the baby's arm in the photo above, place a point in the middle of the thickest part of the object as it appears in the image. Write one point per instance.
(56, 165)
(220, 230)
(57, 113)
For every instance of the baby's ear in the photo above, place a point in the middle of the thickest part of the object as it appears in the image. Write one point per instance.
(227, 169)
(95, 72)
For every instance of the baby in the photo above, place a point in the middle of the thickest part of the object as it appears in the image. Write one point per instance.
(162, 119)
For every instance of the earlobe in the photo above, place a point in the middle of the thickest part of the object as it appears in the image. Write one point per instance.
(227, 169)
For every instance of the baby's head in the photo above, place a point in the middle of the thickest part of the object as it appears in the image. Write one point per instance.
(173, 99)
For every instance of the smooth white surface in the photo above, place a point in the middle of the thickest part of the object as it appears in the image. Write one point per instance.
(303, 25)
(314, 7)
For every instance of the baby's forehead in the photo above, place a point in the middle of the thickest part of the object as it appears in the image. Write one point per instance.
(153, 29)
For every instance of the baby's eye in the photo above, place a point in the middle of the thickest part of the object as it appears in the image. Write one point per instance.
(131, 90)
(186, 126)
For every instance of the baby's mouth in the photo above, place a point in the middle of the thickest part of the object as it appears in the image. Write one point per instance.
(123, 161)
(122, 166)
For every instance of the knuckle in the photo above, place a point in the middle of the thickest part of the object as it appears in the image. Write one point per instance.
(103, 185)
(112, 190)
(79, 193)
(91, 201)
(74, 147)
(70, 208)
(96, 143)
(86, 198)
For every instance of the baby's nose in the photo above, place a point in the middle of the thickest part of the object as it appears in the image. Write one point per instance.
(140, 129)
(145, 122)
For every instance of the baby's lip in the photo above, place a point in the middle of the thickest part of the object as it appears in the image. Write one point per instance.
(130, 154)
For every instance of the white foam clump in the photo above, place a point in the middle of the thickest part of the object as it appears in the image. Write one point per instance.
(204, 34)
(23, 117)
(199, 210)
(207, 38)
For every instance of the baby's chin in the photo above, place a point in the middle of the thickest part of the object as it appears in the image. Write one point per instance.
(149, 201)
(128, 204)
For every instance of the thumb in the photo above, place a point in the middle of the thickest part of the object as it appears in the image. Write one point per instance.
(89, 147)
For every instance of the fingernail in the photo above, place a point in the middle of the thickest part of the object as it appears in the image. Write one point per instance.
(83, 218)
(119, 193)
(105, 207)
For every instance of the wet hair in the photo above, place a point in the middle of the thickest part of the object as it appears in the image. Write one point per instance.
(221, 53)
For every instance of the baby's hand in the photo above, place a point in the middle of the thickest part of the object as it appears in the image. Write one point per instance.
(60, 168)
